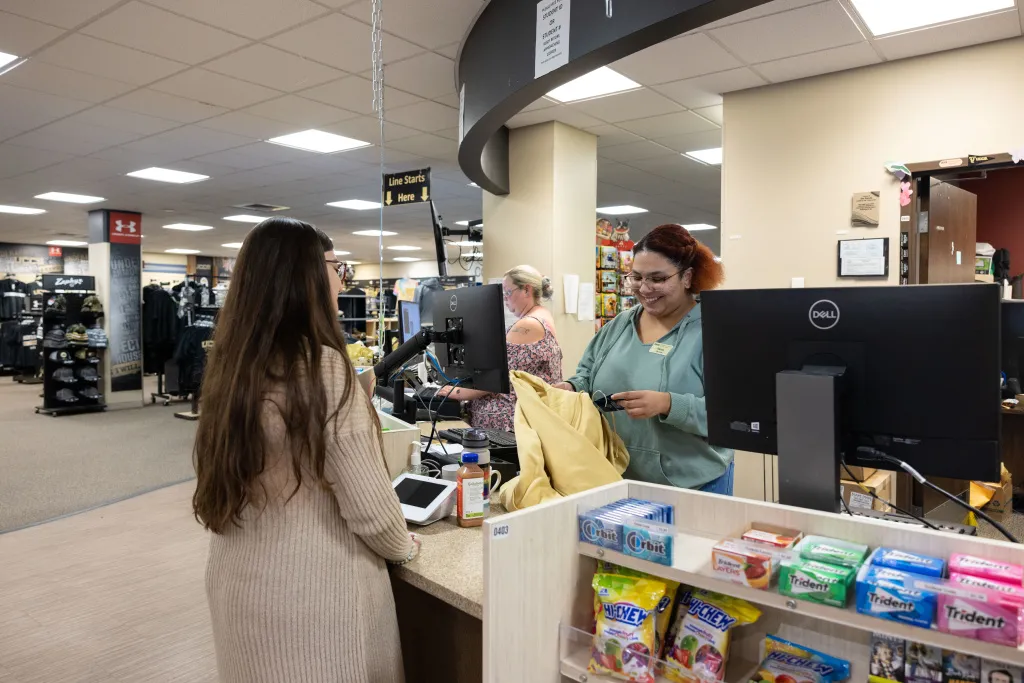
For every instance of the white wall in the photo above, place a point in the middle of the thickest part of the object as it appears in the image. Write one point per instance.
(419, 269)
(796, 152)
(152, 261)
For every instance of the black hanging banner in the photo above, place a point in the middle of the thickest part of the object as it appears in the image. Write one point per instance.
(407, 187)
(125, 317)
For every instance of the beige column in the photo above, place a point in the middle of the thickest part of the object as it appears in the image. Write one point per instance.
(547, 220)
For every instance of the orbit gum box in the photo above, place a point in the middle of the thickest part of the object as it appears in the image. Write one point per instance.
(603, 526)
(648, 540)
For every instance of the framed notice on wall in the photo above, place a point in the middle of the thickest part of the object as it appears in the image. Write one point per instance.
(863, 258)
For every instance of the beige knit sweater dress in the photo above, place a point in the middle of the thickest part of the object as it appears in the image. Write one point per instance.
(299, 593)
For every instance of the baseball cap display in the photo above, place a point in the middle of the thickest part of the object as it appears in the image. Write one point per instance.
(97, 338)
(87, 355)
(61, 357)
(65, 375)
(92, 304)
(88, 374)
(66, 396)
(90, 393)
(55, 339)
(77, 334)
(56, 305)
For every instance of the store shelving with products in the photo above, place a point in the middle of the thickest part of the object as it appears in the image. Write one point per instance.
(537, 580)
(614, 259)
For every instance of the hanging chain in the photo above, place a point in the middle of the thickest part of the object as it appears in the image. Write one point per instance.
(377, 63)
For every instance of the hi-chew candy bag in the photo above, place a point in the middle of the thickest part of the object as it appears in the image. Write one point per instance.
(701, 643)
(1012, 574)
(663, 619)
(624, 641)
(787, 662)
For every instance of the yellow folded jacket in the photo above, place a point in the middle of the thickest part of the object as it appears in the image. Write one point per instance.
(565, 445)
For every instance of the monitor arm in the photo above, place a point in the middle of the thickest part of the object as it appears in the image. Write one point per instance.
(417, 344)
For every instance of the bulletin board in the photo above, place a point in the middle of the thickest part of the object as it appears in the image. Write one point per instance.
(863, 258)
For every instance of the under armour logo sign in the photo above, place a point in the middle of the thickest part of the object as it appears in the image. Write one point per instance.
(122, 228)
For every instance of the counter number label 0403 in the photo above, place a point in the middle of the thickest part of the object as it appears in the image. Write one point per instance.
(499, 532)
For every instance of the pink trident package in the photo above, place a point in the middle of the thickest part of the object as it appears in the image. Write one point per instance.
(987, 569)
(983, 614)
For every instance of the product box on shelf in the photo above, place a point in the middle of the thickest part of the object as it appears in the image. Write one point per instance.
(881, 483)
(924, 663)
(958, 667)
(769, 534)
(603, 526)
(1002, 572)
(832, 551)
(827, 584)
(646, 540)
(982, 614)
(998, 672)
(747, 563)
(977, 582)
(887, 659)
(897, 596)
(908, 562)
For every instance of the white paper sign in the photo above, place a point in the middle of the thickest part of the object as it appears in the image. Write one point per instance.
(586, 301)
(571, 285)
(862, 248)
(869, 265)
(552, 47)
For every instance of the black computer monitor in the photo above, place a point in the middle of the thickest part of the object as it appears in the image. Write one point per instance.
(477, 315)
(1012, 320)
(408, 319)
(440, 250)
(815, 375)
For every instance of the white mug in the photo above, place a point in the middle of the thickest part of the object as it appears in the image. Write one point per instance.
(450, 472)
(495, 484)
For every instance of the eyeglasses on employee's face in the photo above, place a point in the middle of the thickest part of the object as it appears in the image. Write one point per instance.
(509, 292)
(338, 267)
(653, 280)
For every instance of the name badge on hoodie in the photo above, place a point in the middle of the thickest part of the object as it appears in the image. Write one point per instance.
(661, 349)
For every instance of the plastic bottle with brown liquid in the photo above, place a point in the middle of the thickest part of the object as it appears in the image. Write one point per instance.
(470, 491)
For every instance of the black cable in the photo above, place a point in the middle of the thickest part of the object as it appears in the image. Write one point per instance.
(920, 478)
(876, 497)
(436, 414)
(845, 506)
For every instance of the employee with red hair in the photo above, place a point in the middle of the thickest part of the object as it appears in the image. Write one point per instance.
(650, 360)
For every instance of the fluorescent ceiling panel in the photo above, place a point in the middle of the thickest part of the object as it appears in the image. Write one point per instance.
(22, 210)
(181, 251)
(341, 253)
(404, 247)
(466, 224)
(69, 197)
(9, 62)
(597, 83)
(166, 175)
(405, 259)
(67, 243)
(712, 157)
(355, 204)
(622, 210)
(232, 245)
(700, 226)
(374, 233)
(188, 227)
(318, 141)
(887, 16)
(243, 218)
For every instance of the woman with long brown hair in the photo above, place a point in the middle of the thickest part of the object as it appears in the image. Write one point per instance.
(292, 480)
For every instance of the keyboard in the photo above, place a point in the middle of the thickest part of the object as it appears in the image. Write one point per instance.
(498, 438)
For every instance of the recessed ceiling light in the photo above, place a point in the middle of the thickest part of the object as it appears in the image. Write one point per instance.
(9, 62)
(405, 259)
(597, 83)
(375, 233)
(67, 243)
(232, 245)
(68, 197)
(884, 16)
(188, 227)
(318, 141)
(181, 251)
(242, 218)
(466, 223)
(469, 244)
(341, 253)
(354, 263)
(355, 204)
(700, 226)
(712, 157)
(404, 247)
(621, 210)
(166, 175)
(24, 210)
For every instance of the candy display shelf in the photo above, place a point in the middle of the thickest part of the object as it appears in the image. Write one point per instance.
(537, 582)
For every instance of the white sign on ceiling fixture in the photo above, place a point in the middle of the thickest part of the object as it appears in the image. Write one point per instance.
(552, 47)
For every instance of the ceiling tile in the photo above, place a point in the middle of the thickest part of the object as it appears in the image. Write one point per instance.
(634, 151)
(98, 57)
(672, 60)
(450, 133)
(24, 109)
(713, 114)
(688, 142)
(256, 155)
(165, 106)
(188, 142)
(355, 93)
(430, 24)
(563, 113)
(21, 36)
(299, 112)
(426, 116)
(161, 33)
(450, 51)
(430, 146)
(15, 160)
(762, 10)
(449, 100)
(706, 91)
(540, 103)
(251, 18)
(667, 124)
(634, 104)
(245, 124)
(799, 31)
(951, 36)
(55, 80)
(274, 68)
(63, 13)
(74, 137)
(608, 136)
(341, 42)
(368, 130)
(817, 63)
(428, 75)
(212, 88)
(120, 119)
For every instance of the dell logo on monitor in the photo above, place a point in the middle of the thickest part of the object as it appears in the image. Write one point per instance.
(824, 314)
(454, 303)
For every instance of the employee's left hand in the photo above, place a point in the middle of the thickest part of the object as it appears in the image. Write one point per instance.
(641, 405)
(445, 391)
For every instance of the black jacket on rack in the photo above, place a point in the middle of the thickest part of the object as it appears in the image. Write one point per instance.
(160, 328)
(191, 355)
(12, 298)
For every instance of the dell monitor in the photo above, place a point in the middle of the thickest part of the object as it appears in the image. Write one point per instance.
(1012, 319)
(820, 376)
(472, 319)
(408, 319)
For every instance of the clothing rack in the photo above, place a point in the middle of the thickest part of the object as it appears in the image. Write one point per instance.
(205, 317)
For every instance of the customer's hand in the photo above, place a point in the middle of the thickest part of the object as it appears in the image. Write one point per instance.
(641, 405)
(564, 385)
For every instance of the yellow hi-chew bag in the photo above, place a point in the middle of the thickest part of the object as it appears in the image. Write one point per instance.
(700, 647)
(624, 640)
(664, 618)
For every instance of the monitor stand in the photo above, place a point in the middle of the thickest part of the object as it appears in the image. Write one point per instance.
(807, 403)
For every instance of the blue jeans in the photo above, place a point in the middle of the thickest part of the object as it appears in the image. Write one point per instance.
(723, 484)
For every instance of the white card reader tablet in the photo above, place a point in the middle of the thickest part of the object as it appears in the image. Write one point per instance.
(424, 500)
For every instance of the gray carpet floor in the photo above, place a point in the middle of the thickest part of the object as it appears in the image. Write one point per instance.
(55, 466)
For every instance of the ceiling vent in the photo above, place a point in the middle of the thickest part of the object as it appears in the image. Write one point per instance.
(261, 207)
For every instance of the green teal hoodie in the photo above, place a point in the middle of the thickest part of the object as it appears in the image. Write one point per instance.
(672, 449)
